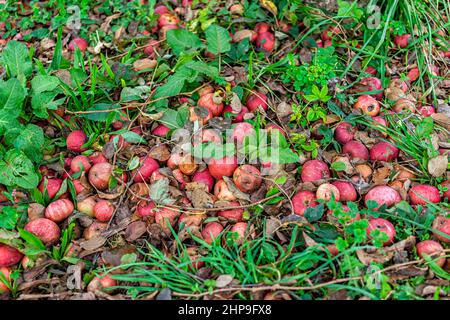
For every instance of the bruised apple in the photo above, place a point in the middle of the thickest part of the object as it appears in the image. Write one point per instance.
(422, 194)
(211, 231)
(222, 192)
(327, 191)
(344, 132)
(314, 170)
(205, 178)
(384, 226)
(207, 101)
(80, 163)
(9, 256)
(75, 141)
(256, 100)
(247, 178)
(103, 210)
(59, 210)
(432, 249)
(45, 229)
(100, 174)
(383, 195)
(442, 225)
(225, 166)
(383, 151)
(87, 205)
(303, 200)
(356, 150)
(52, 188)
(368, 105)
(80, 43)
(232, 214)
(144, 172)
(347, 191)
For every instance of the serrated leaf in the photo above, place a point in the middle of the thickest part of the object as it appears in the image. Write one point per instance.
(181, 40)
(31, 142)
(8, 218)
(202, 68)
(7, 120)
(132, 94)
(217, 39)
(17, 170)
(12, 95)
(16, 60)
(42, 83)
(43, 101)
(133, 137)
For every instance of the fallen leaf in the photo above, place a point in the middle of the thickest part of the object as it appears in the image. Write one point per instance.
(144, 64)
(135, 230)
(198, 194)
(160, 152)
(442, 119)
(223, 280)
(236, 103)
(93, 243)
(270, 6)
(437, 166)
(243, 34)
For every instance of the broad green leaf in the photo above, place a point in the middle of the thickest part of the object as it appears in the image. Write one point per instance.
(17, 170)
(172, 87)
(338, 166)
(31, 142)
(132, 137)
(202, 68)
(42, 83)
(12, 95)
(16, 60)
(132, 94)
(43, 101)
(170, 119)
(7, 120)
(217, 39)
(181, 40)
(8, 218)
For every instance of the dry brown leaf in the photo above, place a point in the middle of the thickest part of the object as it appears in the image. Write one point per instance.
(437, 166)
(243, 34)
(236, 103)
(272, 224)
(442, 119)
(144, 64)
(135, 230)
(160, 152)
(223, 280)
(198, 194)
(284, 109)
(93, 243)
(380, 175)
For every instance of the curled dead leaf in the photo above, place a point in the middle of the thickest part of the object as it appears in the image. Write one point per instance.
(243, 34)
(144, 64)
